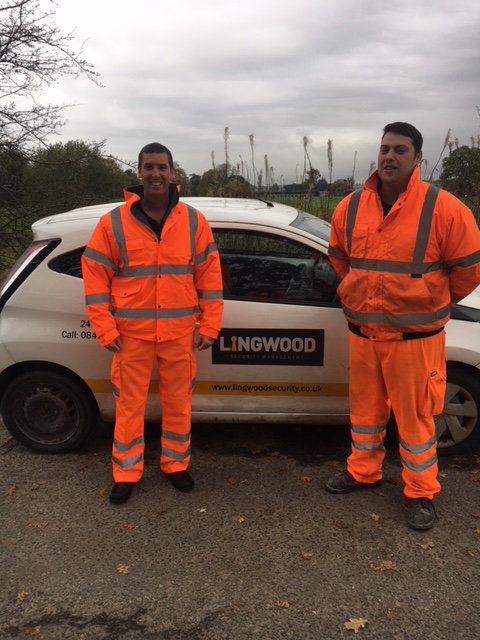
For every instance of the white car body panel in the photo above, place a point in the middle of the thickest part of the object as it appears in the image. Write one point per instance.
(38, 327)
(60, 335)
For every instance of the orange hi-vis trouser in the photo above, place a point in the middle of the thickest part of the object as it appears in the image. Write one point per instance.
(409, 377)
(130, 374)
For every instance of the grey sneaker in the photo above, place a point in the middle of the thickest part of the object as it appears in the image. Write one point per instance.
(346, 483)
(421, 513)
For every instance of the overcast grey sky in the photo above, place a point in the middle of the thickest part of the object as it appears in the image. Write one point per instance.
(180, 72)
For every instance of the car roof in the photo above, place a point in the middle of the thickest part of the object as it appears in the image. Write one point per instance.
(214, 209)
(250, 211)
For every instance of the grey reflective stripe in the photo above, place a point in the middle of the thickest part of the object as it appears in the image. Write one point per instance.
(154, 314)
(408, 319)
(176, 455)
(336, 253)
(119, 446)
(455, 298)
(419, 466)
(367, 446)
(138, 272)
(155, 270)
(368, 430)
(98, 256)
(352, 216)
(119, 234)
(211, 294)
(466, 261)
(193, 222)
(176, 270)
(388, 266)
(135, 314)
(129, 462)
(193, 383)
(97, 298)
(425, 224)
(201, 257)
(116, 392)
(417, 448)
(176, 437)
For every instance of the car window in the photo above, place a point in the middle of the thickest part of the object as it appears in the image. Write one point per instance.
(312, 224)
(273, 268)
(256, 266)
(68, 263)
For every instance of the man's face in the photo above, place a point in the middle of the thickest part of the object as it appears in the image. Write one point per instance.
(397, 160)
(155, 174)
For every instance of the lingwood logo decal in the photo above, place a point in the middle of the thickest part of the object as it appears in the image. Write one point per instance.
(295, 347)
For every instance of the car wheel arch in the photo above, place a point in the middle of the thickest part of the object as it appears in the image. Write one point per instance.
(74, 395)
(458, 426)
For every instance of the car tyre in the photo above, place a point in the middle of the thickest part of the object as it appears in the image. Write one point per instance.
(458, 426)
(49, 411)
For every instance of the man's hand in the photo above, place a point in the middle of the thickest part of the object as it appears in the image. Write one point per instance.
(203, 342)
(115, 345)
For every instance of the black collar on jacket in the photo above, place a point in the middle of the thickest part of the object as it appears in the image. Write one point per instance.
(138, 212)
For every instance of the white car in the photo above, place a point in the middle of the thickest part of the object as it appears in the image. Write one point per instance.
(281, 355)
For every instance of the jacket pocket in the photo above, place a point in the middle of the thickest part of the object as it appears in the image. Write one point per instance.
(122, 292)
(136, 253)
(359, 241)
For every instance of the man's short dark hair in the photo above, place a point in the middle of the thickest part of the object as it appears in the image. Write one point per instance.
(408, 130)
(155, 147)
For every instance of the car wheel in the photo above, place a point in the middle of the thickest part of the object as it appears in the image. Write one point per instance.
(458, 426)
(49, 411)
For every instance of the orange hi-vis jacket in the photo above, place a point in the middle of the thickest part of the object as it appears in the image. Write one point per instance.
(139, 286)
(402, 273)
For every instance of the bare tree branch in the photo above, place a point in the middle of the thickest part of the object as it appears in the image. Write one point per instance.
(33, 54)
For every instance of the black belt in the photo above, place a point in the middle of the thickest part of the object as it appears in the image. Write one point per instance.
(354, 328)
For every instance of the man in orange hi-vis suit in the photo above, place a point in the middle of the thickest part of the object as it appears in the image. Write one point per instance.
(151, 271)
(406, 252)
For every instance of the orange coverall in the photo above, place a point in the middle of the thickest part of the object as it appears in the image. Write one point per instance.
(151, 292)
(401, 274)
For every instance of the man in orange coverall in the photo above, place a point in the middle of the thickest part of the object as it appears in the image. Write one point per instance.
(151, 270)
(406, 253)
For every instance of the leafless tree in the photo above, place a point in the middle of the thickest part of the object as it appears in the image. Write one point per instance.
(312, 174)
(354, 164)
(226, 135)
(214, 168)
(425, 167)
(330, 160)
(267, 173)
(305, 156)
(242, 167)
(252, 145)
(260, 180)
(34, 53)
(446, 144)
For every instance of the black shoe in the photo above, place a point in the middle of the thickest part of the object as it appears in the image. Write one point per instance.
(346, 483)
(181, 480)
(121, 492)
(421, 514)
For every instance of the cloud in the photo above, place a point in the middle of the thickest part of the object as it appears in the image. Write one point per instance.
(180, 73)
